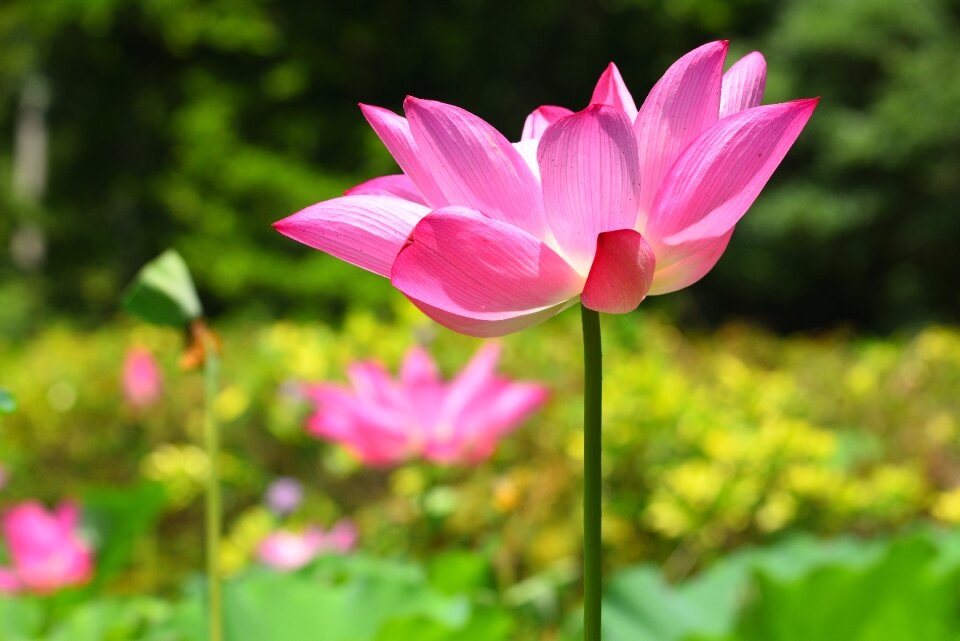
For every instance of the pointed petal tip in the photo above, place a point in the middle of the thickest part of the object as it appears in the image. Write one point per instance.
(595, 108)
(808, 103)
(715, 47)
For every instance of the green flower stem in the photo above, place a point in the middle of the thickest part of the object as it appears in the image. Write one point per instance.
(214, 517)
(592, 403)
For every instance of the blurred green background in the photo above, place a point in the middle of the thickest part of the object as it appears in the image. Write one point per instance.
(808, 388)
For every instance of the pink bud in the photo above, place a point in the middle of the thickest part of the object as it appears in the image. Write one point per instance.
(142, 381)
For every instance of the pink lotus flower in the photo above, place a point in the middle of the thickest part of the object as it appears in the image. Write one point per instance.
(142, 381)
(383, 421)
(287, 550)
(45, 549)
(606, 205)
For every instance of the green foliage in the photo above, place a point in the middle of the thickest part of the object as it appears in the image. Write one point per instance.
(163, 292)
(842, 590)
(801, 588)
(709, 443)
(354, 598)
(121, 517)
(20, 619)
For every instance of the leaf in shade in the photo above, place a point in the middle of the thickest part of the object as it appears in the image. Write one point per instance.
(163, 292)
(119, 517)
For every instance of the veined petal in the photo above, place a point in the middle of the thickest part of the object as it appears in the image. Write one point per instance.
(396, 185)
(475, 165)
(483, 328)
(719, 176)
(528, 151)
(611, 90)
(367, 231)
(588, 165)
(691, 267)
(541, 118)
(621, 272)
(394, 131)
(463, 263)
(683, 103)
(743, 84)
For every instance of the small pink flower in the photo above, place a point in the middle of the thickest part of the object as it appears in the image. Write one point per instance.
(284, 495)
(142, 380)
(603, 206)
(384, 421)
(287, 550)
(46, 552)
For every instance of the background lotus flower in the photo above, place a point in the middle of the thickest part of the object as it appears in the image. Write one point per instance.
(45, 549)
(287, 550)
(488, 237)
(384, 421)
(284, 495)
(142, 380)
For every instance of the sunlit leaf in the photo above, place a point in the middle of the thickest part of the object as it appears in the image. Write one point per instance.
(163, 292)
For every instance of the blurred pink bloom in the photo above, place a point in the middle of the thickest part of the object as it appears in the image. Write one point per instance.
(46, 552)
(342, 537)
(284, 495)
(384, 421)
(606, 205)
(287, 550)
(142, 381)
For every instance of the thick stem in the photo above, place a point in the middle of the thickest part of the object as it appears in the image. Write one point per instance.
(592, 394)
(214, 518)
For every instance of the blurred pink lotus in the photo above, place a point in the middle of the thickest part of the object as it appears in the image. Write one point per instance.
(46, 552)
(603, 206)
(142, 380)
(384, 421)
(288, 550)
